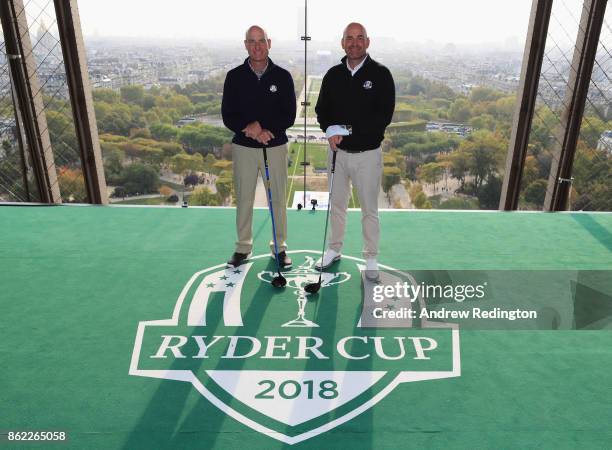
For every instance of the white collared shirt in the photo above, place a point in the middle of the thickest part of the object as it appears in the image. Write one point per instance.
(357, 67)
(340, 130)
(260, 74)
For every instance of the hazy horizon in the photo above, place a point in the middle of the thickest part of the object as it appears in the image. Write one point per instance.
(469, 23)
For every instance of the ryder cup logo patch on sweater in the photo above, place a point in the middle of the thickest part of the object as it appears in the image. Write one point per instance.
(367, 85)
(284, 362)
(273, 88)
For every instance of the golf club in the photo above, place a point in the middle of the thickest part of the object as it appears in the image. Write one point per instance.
(313, 288)
(280, 280)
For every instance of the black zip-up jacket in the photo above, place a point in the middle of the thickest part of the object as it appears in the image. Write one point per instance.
(269, 100)
(365, 101)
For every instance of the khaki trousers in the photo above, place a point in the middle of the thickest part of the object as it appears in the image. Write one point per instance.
(365, 171)
(248, 163)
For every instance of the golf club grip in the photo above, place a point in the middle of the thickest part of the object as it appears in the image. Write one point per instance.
(267, 181)
(265, 155)
(333, 168)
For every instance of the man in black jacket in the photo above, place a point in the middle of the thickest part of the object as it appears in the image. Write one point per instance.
(356, 95)
(258, 105)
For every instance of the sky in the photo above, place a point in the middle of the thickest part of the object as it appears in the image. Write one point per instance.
(442, 21)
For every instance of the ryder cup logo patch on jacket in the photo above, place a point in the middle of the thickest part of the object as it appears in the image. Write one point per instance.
(367, 85)
(273, 88)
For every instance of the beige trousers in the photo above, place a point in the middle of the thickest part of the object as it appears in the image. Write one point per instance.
(248, 163)
(365, 171)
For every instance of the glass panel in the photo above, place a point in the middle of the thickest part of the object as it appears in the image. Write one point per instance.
(157, 94)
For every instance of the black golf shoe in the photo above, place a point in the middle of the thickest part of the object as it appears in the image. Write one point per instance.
(284, 260)
(238, 259)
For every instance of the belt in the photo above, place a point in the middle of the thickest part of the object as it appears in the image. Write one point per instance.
(358, 151)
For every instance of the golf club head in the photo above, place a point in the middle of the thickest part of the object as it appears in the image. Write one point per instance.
(279, 281)
(312, 288)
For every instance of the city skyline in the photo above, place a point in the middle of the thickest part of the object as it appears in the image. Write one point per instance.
(470, 23)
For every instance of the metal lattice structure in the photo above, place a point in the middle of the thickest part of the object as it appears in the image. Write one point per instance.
(48, 132)
(562, 160)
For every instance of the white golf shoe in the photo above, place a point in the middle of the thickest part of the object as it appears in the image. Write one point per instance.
(371, 270)
(330, 257)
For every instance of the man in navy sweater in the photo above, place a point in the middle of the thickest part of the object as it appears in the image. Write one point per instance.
(258, 105)
(358, 94)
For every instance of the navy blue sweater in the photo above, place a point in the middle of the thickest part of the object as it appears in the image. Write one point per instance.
(269, 100)
(365, 101)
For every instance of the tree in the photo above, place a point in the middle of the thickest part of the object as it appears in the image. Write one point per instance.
(72, 185)
(148, 102)
(106, 95)
(535, 192)
(485, 152)
(119, 192)
(530, 170)
(181, 103)
(113, 167)
(591, 129)
(132, 94)
(431, 173)
(483, 94)
(209, 161)
(403, 113)
(140, 133)
(138, 179)
(166, 191)
(458, 165)
(164, 132)
(592, 173)
(170, 149)
(182, 163)
(118, 118)
(460, 110)
(142, 150)
(489, 195)
(219, 166)
(203, 196)
(420, 201)
(202, 138)
(417, 86)
(503, 109)
(224, 187)
(63, 137)
(483, 122)
(391, 177)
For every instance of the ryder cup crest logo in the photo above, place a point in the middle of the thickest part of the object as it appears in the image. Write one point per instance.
(273, 88)
(367, 85)
(286, 363)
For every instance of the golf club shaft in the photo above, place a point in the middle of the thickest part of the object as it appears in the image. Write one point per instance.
(331, 187)
(271, 208)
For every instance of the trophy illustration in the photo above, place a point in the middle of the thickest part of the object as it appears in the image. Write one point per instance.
(298, 279)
